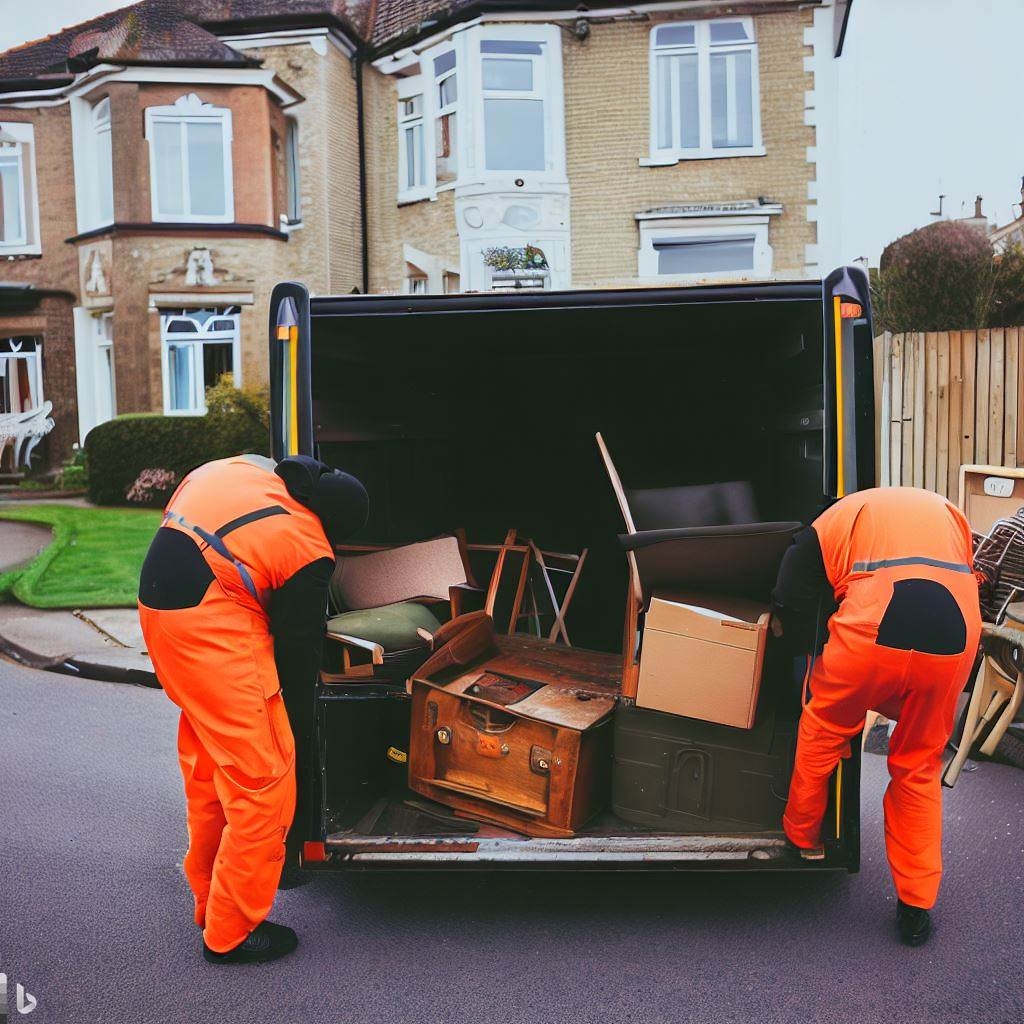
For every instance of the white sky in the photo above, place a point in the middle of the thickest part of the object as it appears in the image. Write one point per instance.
(929, 103)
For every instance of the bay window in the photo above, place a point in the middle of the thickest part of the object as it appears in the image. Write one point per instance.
(198, 347)
(190, 161)
(484, 108)
(705, 98)
(19, 214)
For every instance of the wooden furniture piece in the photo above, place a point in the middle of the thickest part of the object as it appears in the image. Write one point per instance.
(698, 539)
(547, 568)
(513, 730)
(989, 493)
(997, 693)
(389, 601)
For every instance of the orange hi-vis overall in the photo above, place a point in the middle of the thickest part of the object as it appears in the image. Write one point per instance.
(903, 642)
(215, 660)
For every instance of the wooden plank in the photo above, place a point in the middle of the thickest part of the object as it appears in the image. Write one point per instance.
(920, 386)
(942, 414)
(909, 363)
(1020, 396)
(997, 355)
(981, 398)
(879, 363)
(1012, 396)
(956, 399)
(969, 354)
(931, 408)
(896, 411)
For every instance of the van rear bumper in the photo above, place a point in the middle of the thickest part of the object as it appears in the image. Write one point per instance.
(606, 853)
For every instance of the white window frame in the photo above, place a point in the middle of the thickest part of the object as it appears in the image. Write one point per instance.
(17, 143)
(197, 340)
(657, 229)
(703, 48)
(539, 63)
(409, 88)
(292, 172)
(190, 109)
(11, 349)
(469, 109)
(102, 135)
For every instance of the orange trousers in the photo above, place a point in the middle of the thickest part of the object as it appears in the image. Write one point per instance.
(237, 755)
(852, 676)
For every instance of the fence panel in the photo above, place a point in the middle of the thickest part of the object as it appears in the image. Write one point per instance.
(945, 398)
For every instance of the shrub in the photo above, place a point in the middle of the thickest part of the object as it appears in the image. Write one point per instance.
(152, 488)
(119, 450)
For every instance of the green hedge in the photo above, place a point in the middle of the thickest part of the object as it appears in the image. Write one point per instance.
(118, 450)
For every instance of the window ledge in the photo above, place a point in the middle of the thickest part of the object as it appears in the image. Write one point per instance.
(21, 250)
(177, 227)
(669, 159)
(415, 196)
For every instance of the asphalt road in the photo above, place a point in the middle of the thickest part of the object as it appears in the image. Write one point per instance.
(95, 919)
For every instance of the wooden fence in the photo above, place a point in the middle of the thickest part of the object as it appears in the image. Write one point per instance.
(945, 398)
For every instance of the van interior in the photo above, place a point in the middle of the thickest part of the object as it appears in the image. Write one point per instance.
(466, 413)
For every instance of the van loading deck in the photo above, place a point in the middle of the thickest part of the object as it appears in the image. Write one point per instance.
(732, 414)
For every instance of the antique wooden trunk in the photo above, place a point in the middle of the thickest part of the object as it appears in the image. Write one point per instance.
(513, 730)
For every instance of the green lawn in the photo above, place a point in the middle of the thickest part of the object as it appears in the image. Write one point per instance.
(93, 562)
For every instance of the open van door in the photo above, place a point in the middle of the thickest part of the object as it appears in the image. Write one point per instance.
(464, 410)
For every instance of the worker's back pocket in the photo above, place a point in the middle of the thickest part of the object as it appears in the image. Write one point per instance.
(175, 574)
(923, 616)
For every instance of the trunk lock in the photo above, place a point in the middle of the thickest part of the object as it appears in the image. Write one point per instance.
(444, 736)
(540, 760)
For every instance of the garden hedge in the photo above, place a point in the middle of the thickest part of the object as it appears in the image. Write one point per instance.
(118, 450)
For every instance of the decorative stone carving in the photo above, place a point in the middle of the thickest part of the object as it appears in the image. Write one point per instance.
(96, 277)
(199, 270)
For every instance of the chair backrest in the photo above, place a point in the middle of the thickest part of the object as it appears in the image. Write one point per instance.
(673, 508)
(425, 569)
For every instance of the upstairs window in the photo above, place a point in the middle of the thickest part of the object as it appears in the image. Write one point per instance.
(104, 163)
(704, 90)
(19, 216)
(291, 170)
(512, 77)
(446, 121)
(190, 161)
(412, 156)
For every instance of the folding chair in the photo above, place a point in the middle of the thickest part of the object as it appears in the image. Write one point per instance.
(557, 574)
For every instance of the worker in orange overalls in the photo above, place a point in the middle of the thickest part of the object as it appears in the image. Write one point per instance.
(232, 601)
(903, 642)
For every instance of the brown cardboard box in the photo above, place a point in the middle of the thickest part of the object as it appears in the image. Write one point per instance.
(703, 664)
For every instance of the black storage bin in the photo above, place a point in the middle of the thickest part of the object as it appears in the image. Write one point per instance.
(364, 744)
(683, 775)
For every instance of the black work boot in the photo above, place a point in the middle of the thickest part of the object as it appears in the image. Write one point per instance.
(267, 941)
(914, 923)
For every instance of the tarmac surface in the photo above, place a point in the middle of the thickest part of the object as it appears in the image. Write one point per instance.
(21, 542)
(95, 919)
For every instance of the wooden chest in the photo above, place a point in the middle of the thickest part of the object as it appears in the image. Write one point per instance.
(513, 730)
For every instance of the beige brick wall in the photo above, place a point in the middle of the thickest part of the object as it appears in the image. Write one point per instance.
(607, 112)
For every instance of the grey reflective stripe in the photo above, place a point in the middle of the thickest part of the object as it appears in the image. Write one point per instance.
(252, 517)
(220, 547)
(889, 563)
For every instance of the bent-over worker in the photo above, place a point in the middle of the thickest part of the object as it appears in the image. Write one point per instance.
(232, 601)
(903, 642)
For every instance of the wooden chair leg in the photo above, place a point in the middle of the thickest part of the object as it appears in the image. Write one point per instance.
(972, 725)
(1006, 715)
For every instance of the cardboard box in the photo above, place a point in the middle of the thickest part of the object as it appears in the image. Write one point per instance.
(988, 493)
(702, 663)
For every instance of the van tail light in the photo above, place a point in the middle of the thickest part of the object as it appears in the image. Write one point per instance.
(314, 853)
(850, 310)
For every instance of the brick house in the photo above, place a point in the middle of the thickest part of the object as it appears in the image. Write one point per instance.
(162, 166)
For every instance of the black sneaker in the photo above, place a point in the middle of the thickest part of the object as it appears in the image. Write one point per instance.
(914, 923)
(267, 941)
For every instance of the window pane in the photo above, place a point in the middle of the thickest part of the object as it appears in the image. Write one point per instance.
(707, 255)
(414, 156)
(292, 171)
(179, 375)
(689, 104)
(664, 101)
(413, 106)
(508, 46)
(217, 360)
(447, 91)
(675, 35)
(732, 119)
(447, 148)
(502, 73)
(444, 63)
(514, 132)
(11, 229)
(206, 169)
(167, 153)
(104, 177)
(728, 32)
